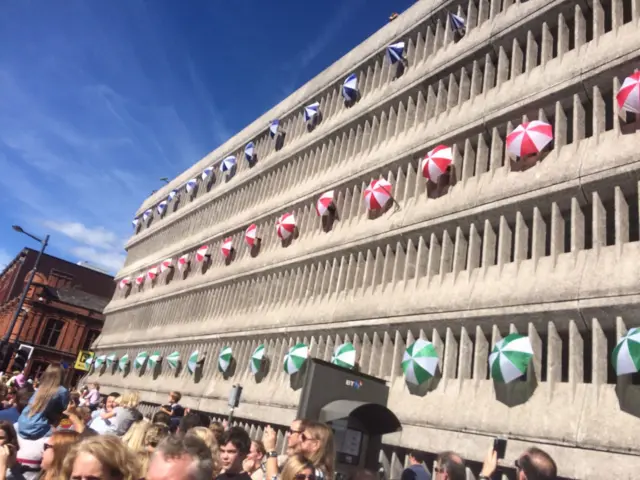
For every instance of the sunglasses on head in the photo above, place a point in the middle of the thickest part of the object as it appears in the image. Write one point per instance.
(302, 476)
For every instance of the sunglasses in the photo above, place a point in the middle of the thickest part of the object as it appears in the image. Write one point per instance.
(302, 476)
(291, 432)
(47, 446)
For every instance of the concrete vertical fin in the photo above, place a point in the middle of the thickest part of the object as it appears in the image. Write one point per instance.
(488, 246)
(465, 355)
(502, 73)
(410, 266)
(539, 236)
(475, 248)
(599, 109)
(489, 74)
(398, 266)
(577, 226)
(521, 243)
(599, 225)
(621, 212)
(598, 354)
(450, 356)
(554, 356)
(469, 161)
(433, 257)
(598, 19)
(410, 184)
(459, 253)
(386, 367)
(546, 45)
(557, 232)
(410, 115)
(579, 119)
(465, 86)
(452, 91)
(497, 150)
(364, 361)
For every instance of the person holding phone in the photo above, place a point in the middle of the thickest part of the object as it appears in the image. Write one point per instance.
(534, 463)
(416, 470)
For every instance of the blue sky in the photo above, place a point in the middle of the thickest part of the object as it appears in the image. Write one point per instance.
(99, 99)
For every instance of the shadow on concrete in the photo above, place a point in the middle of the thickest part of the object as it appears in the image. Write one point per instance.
(401, 67)
(186, 270)
(519, 391)
(176, 203)
(528, 161)
(441, 188)
(178, 369)
(428, 386)
(280, 140)
(157, 370)
(170, 274)
(232, 256)
(265, 367)
(206, 263)
(629, 123)
(231, 369)
(353, 101)
(231, 173)
(255, 249)
(375, 214)
(296, 380)
(330, 218)
(211, 181)
(253, 161)
(628, 394)
(314, 122)
(289, 240)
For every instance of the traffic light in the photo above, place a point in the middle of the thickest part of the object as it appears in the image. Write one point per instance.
(22, 357)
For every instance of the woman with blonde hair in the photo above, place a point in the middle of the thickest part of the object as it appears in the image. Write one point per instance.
(104, 457)
(56, 449)
(209, 438)
(126, 412)
(155, 434)
(318, 446)
(134, 437)
(298, 468)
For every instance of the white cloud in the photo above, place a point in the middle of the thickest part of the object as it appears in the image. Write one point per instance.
(96, 237)
(111, 260)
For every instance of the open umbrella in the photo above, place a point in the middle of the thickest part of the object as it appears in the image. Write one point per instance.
(161, 207)
(227, 246)
(172, 194)
(510, 357)
(125, 282)
(350, 88)
(88, 362)
(190, 185)
(147, 215)
(201, 253)
(140, 279)
(628, 97)
(123, 362)
(140, 359)
(249, 151)
(273, 128)
(256, 359)
(173, 359)
(250, 234)
(395, 52)
(311, 111)
(228, 163)
(194, 359)
(152, 273)
(436, 162)
(154, 359)
(206, 173)
(457, 23)
(111, 358)
(529, 138)
(100, 361)
(183, 261)
(377, 194)
(135, 222)
(324, 203)
(626, 355)
(295, 358)
(344, 355)
(224, 359)
(166, 265)
(285, 226)
(419, 362)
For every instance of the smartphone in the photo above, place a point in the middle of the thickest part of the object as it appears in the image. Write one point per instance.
(500, 446)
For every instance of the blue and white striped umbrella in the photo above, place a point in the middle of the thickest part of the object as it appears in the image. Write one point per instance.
(135, 222)
(162, 206)
(146, 215)
(206, 173)
(350, 88)
(190, 185)
(228, 163)
(172, 195)
(395, 52)
(311, 111)
(249, 151)
(457, 23)
(273, 128)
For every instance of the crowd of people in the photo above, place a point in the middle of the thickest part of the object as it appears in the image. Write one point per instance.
(50, 433)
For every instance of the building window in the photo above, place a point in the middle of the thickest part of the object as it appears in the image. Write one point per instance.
(58, 279)
(91, 337)
(51, 333)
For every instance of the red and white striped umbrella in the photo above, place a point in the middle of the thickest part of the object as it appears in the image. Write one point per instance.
(436, 162)
(201, 253)
(183, 261)
(285, 225)
(152, 273)
(125, 282)
(377, 194)
(529, 138)
(628, 96)
(324, 202)
(140, 279)
(251, 234)
(166, 265)
(227, 246)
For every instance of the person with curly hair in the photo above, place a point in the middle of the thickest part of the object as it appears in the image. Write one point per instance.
(104, 457)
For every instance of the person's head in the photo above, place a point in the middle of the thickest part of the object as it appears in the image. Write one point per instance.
(234, 447)
(114, 395)
(8, 435)
(181, 458)
(317, 445)
(293, 436)
(4, 390)
(95, 386)
(450, 466)
(536, 464)
(50, 381)
(218, 431)
(110, 403)
(129, 400)
(298, 468)
(416, 458)
(56, 449)
(134, 437)
(23, 396)
(192, 420)
(257, 452)
(84, 414)
(174, 397)
(155, 434)
(101, 456)
(207, 436)
(161, 417)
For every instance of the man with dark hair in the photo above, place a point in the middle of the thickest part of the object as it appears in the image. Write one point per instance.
(22, 399)
(161, 417)
(181, 458)
(536, 464)
(234, 447)
(191, 420)
(416, 470)
(450, 466)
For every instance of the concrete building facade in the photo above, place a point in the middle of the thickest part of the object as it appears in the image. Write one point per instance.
(551, 252)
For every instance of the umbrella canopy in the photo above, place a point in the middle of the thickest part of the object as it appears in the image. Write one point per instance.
(350, 88)
(529, 138)
(161, 207)
(249, 151)
(227, 246)
(419, 362)
(324, 202)
(194, 359)
(257, 356)
(250, 234)
(201, 253)
(140, 279)
(224, 359)
(111, 358)
(140, 359)
(395, 52)
(152, 273)
(172, 194)
(190, 185)
(147, 215)
(228, 163)
(626, 355)
(206, 173)
(344, 355)
(100, 361)
(628, 97)
(88, 362)
(166, 265)
(377, 194)
(173, 359)
(510, 357)
(154, 359)
(285, 225)
(135, 222)
(125, 282)
(183, 261)
(273, 128)
(295, 358)
(123, 362)
(311, 111)
(436, 163)
(457, 23)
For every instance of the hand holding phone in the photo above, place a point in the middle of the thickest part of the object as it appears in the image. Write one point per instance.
(500, 446)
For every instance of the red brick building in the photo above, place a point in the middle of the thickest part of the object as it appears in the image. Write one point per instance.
(62, 313)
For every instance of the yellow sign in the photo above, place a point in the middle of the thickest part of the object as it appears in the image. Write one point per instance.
(83, 362)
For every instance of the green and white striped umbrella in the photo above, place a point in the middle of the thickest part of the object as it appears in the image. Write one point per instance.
(173, 359)
(154, 359)
(194, 359)
(626, 355)
(140, 359)
(295, 358)
(420, 362)
(100, 361)
(224, 359)
(123, 362)
(88, 362)
(510, 358)
(111, 358)
(255, 362)
(344, 355)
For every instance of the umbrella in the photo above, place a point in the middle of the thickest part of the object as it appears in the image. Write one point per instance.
(100, 361)
(206, 173)
(190, 185)
(626, 354)
(135, 222)
(419, 362)
(377, 194)
(224, 359)
(152, 273)
(344, 355)
(436, 162)
(295, 358)
(125, 282)
(201, 253)
(173, 359)
(183, 261)
(166, 265)
(324, 203)
(194, 359)
(228, 163)
(111, 358)
(311, 111)
(256, 359)
(227, 246)
(154, 359)
(250, 234)
(140, 279)
(172, 194)
(510, 357)
(529, 138)
(395, 52)
(273, 128)
(88, 362)
(457, 23)
(628, 96)
(140, 359)
(285, 225)
(147, 215)
(123, 362)
(249, 151)
(350, 88)
(162, 206)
